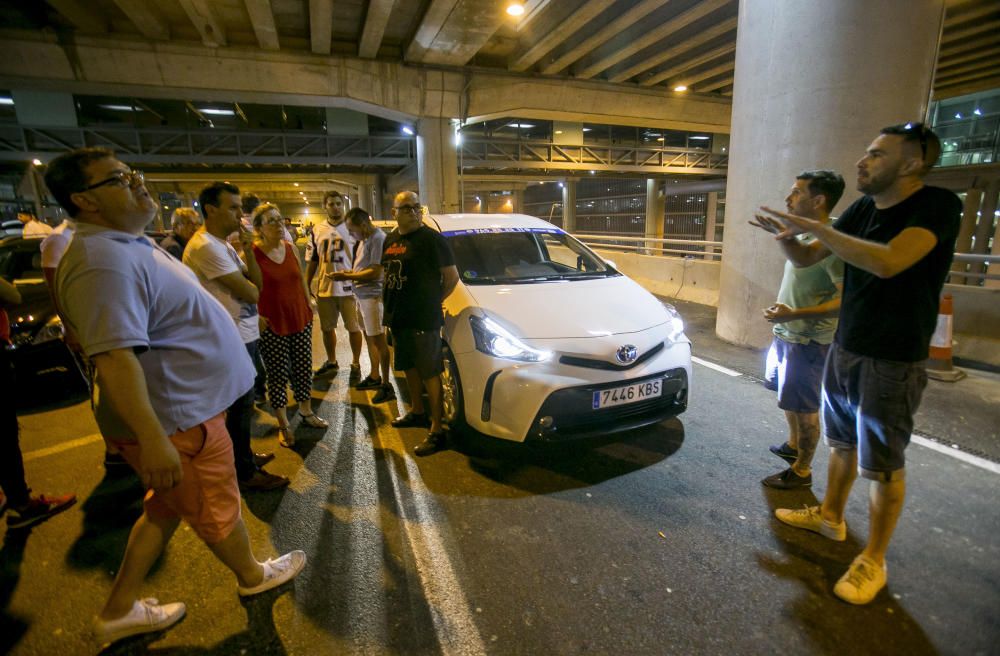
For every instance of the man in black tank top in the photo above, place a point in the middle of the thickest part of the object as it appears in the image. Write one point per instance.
(897, 242)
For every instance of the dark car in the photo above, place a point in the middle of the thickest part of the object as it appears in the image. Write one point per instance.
(45, 366)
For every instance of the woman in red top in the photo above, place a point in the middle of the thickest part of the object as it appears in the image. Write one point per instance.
(286, 322)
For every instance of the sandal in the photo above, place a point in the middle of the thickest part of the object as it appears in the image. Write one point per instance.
(285, 437)
(314, 421)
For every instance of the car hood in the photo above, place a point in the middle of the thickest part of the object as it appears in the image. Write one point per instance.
(571, 309)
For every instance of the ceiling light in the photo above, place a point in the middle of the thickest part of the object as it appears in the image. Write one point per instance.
(699, 137)
(302, 193)
(958, 116)
(6, 101)
(680, 87)
(217, 112)
(587, 129)
(36, 162)
(659, 138)
(515, 9)
(121, 108)
(295, 184)
(523, 126)
(558, 131)
(977, 112)
(407, 130)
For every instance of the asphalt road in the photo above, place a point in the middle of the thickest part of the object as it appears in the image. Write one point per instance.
(661, 542)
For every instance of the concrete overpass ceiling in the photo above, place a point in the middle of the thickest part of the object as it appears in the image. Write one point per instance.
(653, 43)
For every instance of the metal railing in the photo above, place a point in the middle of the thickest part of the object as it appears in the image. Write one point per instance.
(654, 246)
(975, 258)
(477, 152)
(210, 146)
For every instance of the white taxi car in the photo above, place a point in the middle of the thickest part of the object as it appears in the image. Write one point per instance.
(546, 341)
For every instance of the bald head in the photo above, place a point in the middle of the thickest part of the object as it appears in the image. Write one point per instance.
(407, 211)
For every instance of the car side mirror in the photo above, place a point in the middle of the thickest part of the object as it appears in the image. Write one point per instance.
(611, 263)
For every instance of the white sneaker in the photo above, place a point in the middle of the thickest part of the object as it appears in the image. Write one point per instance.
(862, 581)
(277, 571)
(810, 519)
(146, 616)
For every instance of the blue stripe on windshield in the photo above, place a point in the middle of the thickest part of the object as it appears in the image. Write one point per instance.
(487, 231)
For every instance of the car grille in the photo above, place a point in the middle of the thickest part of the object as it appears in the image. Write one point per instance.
(610, 366)
(572, 416)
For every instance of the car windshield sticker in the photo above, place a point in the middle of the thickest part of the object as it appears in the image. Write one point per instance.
(487, 231)
(470, 274)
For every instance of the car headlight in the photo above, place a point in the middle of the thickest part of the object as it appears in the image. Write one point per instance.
(675, 327)
(493, 339)
(52, 330)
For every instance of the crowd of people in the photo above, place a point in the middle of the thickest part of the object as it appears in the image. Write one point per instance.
(183, 336)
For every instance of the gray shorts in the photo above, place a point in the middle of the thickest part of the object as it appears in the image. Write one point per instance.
(420, 350)
(330, 308)
(868, 405)
(800, 374)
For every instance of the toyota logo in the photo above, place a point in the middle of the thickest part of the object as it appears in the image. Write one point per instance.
(627, 354)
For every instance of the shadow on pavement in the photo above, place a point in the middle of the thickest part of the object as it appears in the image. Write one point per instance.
(11, 556)
(109, 512)
(817, 563)
(548, 468)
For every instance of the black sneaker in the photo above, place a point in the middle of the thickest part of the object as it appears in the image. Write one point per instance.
(327, 368)
(384, 393)
(369, 383)
(355, 376)
(435, 442)
(788, 480)
(412, 420)
(39, 509)
(785, 452)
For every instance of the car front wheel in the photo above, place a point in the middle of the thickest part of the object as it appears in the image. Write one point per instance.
(451, 393)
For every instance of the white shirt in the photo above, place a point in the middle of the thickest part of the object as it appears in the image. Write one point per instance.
(55, 245)
(331, 247)
(210, 258)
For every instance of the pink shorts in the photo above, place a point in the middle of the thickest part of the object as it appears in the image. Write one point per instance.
(208, 496)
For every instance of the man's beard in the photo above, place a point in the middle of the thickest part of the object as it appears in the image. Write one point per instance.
(876, 184)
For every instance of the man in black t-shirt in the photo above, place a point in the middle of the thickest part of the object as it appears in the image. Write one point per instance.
(419, 274)
(897, 242)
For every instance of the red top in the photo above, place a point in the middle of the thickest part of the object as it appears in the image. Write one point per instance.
(4, 327)
(283, 300)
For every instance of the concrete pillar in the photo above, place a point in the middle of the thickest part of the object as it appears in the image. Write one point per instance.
(366, 197)
(379, 206)
(970, 212)
(518, 201)
(437, 165)
(36, 192)
(993, 268)
(654, 215)
(711, 210)
(795, 107)
(985, 230)
(569, 205)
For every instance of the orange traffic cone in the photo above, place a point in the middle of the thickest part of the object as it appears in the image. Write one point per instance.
(939, 365)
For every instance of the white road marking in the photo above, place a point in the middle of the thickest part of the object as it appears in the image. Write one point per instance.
(59, 448)
(975, 461)
(717, 367)
(454, 625)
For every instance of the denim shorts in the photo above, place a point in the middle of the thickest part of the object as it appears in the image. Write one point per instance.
(800, 374)
(420, 350)
(868, 405)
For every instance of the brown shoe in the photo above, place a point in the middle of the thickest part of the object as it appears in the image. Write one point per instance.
(262, 481)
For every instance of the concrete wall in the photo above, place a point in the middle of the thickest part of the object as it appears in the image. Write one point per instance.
(976, 309)
(977, 323)
(691, 280)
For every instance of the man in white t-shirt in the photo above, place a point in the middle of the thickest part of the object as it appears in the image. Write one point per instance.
(33, 228)
(235, 282)
(330, 250)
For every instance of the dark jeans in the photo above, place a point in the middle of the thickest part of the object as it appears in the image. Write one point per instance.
(11, 462)
(238, 418)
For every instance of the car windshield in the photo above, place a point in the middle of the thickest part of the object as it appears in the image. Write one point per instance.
(492, 256)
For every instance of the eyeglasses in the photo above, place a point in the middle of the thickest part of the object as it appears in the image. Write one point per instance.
(416, 209)
(131, 178)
